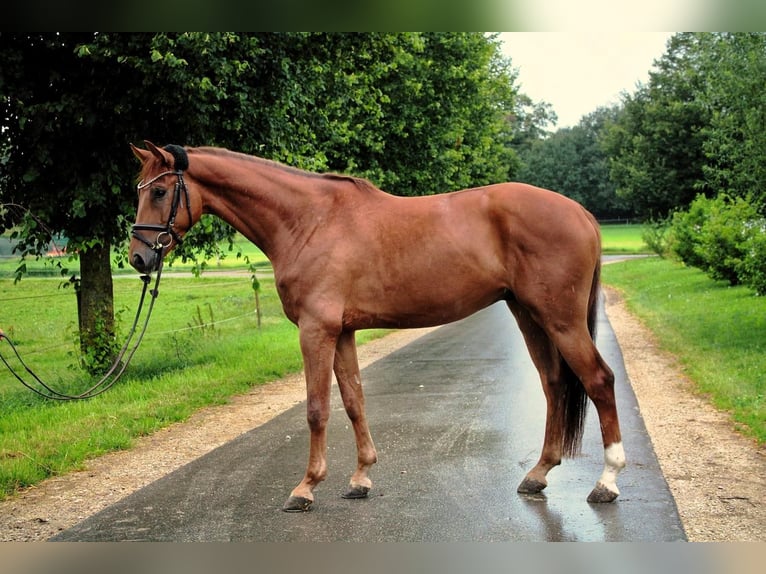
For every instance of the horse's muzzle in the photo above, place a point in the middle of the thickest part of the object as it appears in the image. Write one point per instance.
(143, 260)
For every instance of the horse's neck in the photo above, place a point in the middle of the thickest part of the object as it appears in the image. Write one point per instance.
(270, 206)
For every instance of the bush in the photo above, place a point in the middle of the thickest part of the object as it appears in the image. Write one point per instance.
(725, 237)
(657, 237)
(752, 269)
(685, 230)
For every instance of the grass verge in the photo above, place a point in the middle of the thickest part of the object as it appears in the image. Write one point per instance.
(618, 239)
(717, 332)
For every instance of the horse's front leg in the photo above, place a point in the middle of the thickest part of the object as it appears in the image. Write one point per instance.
(318, 348)
(350, 384)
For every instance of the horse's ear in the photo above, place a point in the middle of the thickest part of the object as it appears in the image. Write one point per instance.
(141, 154)
(162, 155)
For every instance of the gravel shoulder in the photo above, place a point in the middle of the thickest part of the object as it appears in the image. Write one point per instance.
(717, 477)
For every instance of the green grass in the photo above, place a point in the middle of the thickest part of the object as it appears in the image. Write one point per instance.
(617, 239)
(51, 266)
(718, 332)
(202, 347)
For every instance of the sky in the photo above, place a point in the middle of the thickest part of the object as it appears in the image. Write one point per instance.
(578, 72)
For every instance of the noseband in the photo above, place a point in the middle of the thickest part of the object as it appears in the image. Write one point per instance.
(165, 233)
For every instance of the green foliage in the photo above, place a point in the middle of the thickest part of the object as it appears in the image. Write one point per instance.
(752, 268)
(571, 162)
(735, 138)
(655, 236)
(531, 122)
(656, 143)
(416, 113)
(717, 332)
(97, 356)
(428, 116)
(686, 227)
(696, 127)
(723, 236)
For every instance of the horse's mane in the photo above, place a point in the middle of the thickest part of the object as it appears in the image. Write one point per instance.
(361, 183)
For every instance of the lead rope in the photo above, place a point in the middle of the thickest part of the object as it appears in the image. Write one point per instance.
(118, 366)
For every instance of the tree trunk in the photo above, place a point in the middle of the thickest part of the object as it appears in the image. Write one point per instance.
(95, 308)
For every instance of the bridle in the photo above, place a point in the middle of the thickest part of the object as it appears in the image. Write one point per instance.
(166, 233)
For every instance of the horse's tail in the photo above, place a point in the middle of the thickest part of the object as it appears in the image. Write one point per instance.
(574, 400)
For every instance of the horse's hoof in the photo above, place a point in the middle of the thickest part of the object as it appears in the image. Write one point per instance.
(602, 494)
(356, 492)
(297, 504)
(530, 486)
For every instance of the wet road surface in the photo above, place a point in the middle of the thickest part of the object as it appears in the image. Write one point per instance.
(457, 418)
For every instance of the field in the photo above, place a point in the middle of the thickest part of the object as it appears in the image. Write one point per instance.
(617, 239)
(234, 259)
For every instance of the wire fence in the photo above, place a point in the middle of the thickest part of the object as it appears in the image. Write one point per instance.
(207, 324)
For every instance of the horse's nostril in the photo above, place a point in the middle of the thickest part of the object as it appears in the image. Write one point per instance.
(138, 262)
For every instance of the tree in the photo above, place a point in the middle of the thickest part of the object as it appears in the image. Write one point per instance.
(61, 164)
(698, 126)
(531, 122)
(656, 144)
(735, 138)
(572, 162)
(417, 113)
(435, 114)
(71, 103)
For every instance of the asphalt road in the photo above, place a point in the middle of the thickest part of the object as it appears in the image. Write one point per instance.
(457, 417)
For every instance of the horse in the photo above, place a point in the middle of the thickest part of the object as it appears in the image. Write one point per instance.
(348, 256)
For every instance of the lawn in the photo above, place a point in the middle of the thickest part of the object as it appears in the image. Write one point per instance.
(618, 238)
(50, 266)
(718, 332)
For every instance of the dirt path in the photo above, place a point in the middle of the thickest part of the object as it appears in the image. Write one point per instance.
(717, 477)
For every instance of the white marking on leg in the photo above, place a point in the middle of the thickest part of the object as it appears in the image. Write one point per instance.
(614, 462)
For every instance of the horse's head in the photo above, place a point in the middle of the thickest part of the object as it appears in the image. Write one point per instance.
(165, 207)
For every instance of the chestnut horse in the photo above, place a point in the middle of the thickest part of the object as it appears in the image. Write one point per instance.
(348, 256)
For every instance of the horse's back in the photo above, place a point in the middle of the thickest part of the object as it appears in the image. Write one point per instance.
(529, 218)
(496, 225)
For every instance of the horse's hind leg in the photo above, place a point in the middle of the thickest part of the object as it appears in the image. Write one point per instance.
(567, 358)
(581, 355)
(350, 384)
(545, 357)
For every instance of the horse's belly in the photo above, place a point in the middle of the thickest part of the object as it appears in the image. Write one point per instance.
(403, 308)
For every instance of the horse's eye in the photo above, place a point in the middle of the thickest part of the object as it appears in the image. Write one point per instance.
(159, 192)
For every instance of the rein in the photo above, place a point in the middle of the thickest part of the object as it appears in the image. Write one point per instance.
(115, 371)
